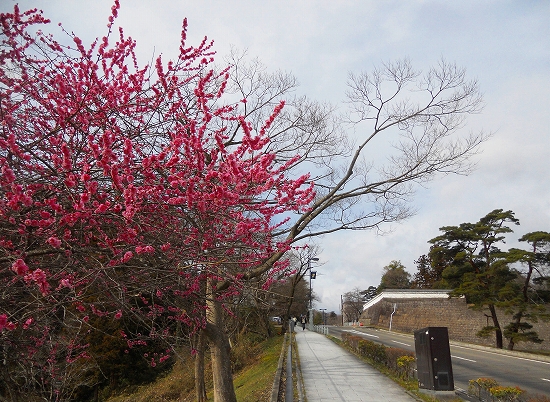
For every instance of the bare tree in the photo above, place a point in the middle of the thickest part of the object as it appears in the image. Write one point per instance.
(353, 304)
(420, 116)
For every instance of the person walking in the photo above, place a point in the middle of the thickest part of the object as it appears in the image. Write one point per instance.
(303, 323)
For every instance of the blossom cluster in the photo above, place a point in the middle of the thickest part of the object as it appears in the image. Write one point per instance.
(119, 190)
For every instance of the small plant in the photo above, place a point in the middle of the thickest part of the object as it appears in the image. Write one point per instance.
(489, 389)
(506, 394)
(404, 366)
(481, 386)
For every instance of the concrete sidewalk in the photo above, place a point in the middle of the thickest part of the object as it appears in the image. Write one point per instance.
(331, 373)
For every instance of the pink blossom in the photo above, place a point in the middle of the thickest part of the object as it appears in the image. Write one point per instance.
(3, 321)
(145, 249)
(54, 242)
(70, 181)
(38, 275)
(103, 207)
(44, 288)
(84, 198)
(67, 165)
(127, 256)
(8, 174)
(20, 267)
(118, 315)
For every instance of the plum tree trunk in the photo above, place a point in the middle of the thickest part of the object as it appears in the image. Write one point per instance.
(220, 350)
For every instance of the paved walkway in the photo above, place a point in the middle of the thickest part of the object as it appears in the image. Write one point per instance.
(330, 373)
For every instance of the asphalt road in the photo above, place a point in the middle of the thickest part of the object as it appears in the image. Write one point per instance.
(527, 371)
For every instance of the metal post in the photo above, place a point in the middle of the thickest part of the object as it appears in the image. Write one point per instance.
(310, 321)
(323, 318)
(309, 268)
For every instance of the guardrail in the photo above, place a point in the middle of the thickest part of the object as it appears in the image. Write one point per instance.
(322, 329)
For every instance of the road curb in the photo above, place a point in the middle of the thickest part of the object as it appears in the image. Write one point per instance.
(277, 380)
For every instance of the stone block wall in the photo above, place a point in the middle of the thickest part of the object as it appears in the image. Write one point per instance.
(462, 322)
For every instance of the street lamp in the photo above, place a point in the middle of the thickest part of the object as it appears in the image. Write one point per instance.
(323, 316)
(312, 275)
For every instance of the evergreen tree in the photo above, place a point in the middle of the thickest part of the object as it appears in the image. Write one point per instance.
(529, 303)
(430, 270)
(477, 268)
(395, 277)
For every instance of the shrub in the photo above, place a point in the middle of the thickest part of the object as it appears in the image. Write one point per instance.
(374, 351)
(481, 386)
(398, 360)
(393, 355)
(506, 394)
(405, 366)
(351, 341)
(489, 389)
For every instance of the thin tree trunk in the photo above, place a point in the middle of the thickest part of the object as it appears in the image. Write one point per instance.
(290, 302)
(220, 350)
(200, 387)
(498, 330)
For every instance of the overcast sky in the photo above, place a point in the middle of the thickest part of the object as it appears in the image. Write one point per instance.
(505, 45)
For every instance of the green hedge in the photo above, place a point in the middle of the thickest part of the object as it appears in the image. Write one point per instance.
(399, 361)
